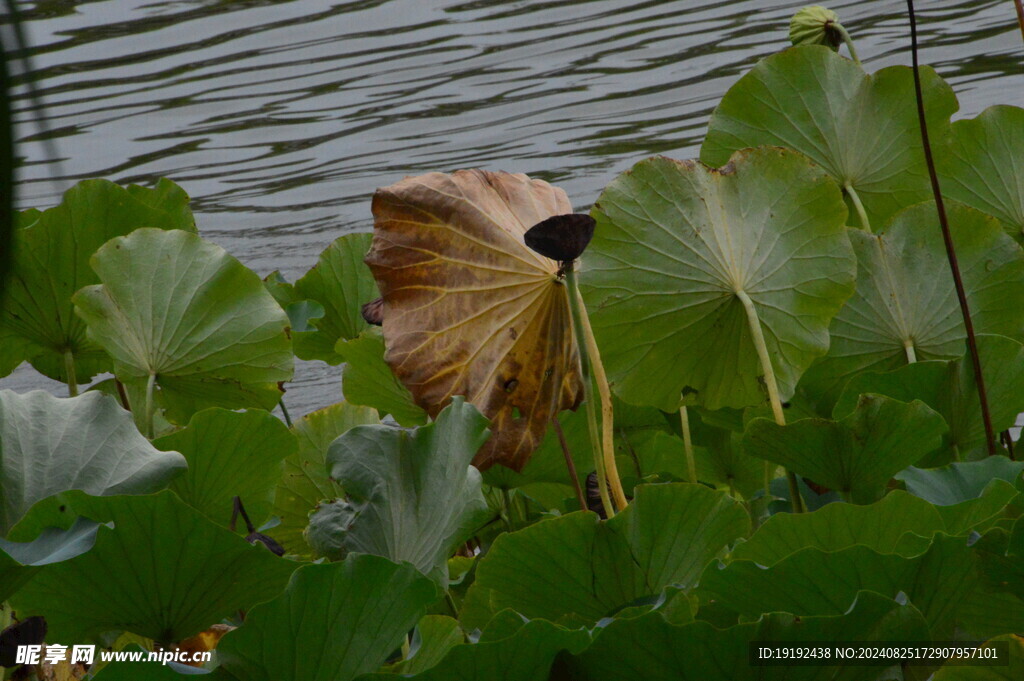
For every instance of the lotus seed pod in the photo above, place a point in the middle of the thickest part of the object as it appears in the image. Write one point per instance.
(815, 25)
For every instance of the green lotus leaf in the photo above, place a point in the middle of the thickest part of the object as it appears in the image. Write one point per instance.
(989, 612)
(435, 635)
(182, 312)
(367, 379)
(409, 496)
(577, 566)
(678, 248)
(230, 454)
(19, 562)
(1001, 564)
(862, 129)
(164, 572)
(856, 455)
(882, 527)
(723, 462)
(1010, 672)
(50, 445)
(814, 582)
(301, 313)
(525, 654)
(333, 622)
(983, 165)
(905, 307)
(950, 389)
(959, 482)
(341, 283)
(305, 482)
(51, 262)
(979, 513)
(650, 648)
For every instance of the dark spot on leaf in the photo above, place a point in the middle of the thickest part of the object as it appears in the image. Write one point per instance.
(511, 384)
(513, 333)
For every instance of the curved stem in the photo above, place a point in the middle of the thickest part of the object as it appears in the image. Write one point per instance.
(691, 464)
(69, 371)
(607, 412)
(848, 40)
(861, 213)
(588, 393)
(947, 236)
(150, 406)
(908, 345)
(757, 336)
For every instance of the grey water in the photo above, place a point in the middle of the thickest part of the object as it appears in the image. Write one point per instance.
(281, 117)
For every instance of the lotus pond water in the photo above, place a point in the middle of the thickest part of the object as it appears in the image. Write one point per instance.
(736, 402)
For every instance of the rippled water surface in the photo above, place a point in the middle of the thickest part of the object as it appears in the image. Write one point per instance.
(281, 118)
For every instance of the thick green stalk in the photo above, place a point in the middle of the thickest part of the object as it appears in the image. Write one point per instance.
(861, 213)
(588, 392)
(69, 370)
(908, 345)
(691, 464)
(757, 335)
(607, 412)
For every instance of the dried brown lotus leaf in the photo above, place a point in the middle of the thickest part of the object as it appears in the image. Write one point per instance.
(469, 309)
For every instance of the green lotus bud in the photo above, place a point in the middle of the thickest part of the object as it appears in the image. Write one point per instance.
(816, 25)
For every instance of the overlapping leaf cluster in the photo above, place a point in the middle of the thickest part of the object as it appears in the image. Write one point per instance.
(427, 523)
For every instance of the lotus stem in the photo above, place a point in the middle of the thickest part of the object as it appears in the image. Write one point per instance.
(947, 236)
(284, 412)
(150, 405)
(908, 345)
(125, 402)
(607, 412)
(588, 390)
(861, 213)
(69, 370)
(691, 464)
(570, 465)
(773, 388)
(848, 40)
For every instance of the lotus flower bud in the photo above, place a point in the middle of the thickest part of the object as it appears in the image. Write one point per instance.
(815, 25)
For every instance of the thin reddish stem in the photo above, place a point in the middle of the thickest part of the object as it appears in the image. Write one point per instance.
(961, 295)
